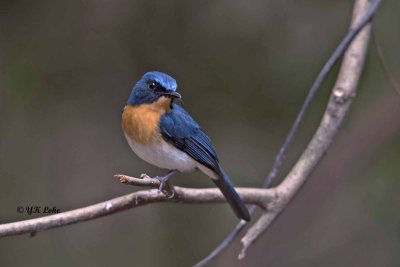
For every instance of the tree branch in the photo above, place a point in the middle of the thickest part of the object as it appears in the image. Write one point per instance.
(274, 200)
(338, 106)
(256, 196)
(354, 30)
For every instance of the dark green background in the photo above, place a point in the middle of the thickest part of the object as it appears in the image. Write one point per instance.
(243, 68)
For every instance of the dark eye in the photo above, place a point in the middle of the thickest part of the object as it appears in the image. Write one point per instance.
(152, 85)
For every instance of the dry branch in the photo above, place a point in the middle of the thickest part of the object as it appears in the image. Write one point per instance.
(256, 196)
(359, 21)
(273, 201)
(338, 106)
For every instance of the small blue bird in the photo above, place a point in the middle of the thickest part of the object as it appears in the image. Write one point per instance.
(162, 133)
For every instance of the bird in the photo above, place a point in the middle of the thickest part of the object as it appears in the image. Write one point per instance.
(162, 133)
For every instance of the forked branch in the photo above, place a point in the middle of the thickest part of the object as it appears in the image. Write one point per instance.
(341, 98)
(362, 14)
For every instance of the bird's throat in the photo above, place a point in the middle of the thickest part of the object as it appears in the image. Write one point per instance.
(141, 123)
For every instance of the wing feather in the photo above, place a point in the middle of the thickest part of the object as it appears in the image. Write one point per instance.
(178, 128)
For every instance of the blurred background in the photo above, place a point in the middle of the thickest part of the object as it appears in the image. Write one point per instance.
(244, 69)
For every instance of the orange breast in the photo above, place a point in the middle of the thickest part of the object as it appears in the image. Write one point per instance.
(141, 123)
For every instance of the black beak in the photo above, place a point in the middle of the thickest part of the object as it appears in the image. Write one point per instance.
(171, 94)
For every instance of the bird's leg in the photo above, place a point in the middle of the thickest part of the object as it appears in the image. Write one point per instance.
(164, 181)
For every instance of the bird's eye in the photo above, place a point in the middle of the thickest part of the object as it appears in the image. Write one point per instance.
(152, 85)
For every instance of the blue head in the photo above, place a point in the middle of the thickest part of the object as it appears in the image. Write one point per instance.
(151, 87)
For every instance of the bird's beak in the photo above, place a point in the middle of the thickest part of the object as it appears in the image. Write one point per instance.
(171, 94)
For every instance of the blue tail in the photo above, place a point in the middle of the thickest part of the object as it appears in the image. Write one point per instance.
(233, 198)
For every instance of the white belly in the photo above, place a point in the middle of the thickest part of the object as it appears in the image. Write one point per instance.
(166, 156)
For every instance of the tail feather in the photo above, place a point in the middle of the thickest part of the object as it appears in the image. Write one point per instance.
(233, 198)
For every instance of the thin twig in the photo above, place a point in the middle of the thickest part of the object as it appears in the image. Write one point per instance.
(337, 109)
(146, 180)
(391, 80)
(283, 150)
(337, 54)
(256, 196)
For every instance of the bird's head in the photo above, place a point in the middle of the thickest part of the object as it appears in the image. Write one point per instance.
(151, 87)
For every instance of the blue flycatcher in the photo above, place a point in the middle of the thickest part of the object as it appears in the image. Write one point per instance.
(162, 133)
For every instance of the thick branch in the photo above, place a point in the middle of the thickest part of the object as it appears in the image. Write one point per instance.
(338, 106)
(256, 196)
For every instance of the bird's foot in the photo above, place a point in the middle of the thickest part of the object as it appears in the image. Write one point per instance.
(165, 186)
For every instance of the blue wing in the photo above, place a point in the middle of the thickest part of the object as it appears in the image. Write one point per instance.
(178, 128)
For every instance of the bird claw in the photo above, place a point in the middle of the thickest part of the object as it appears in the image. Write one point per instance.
(163, 180)
(165, 187)
(171, 195)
